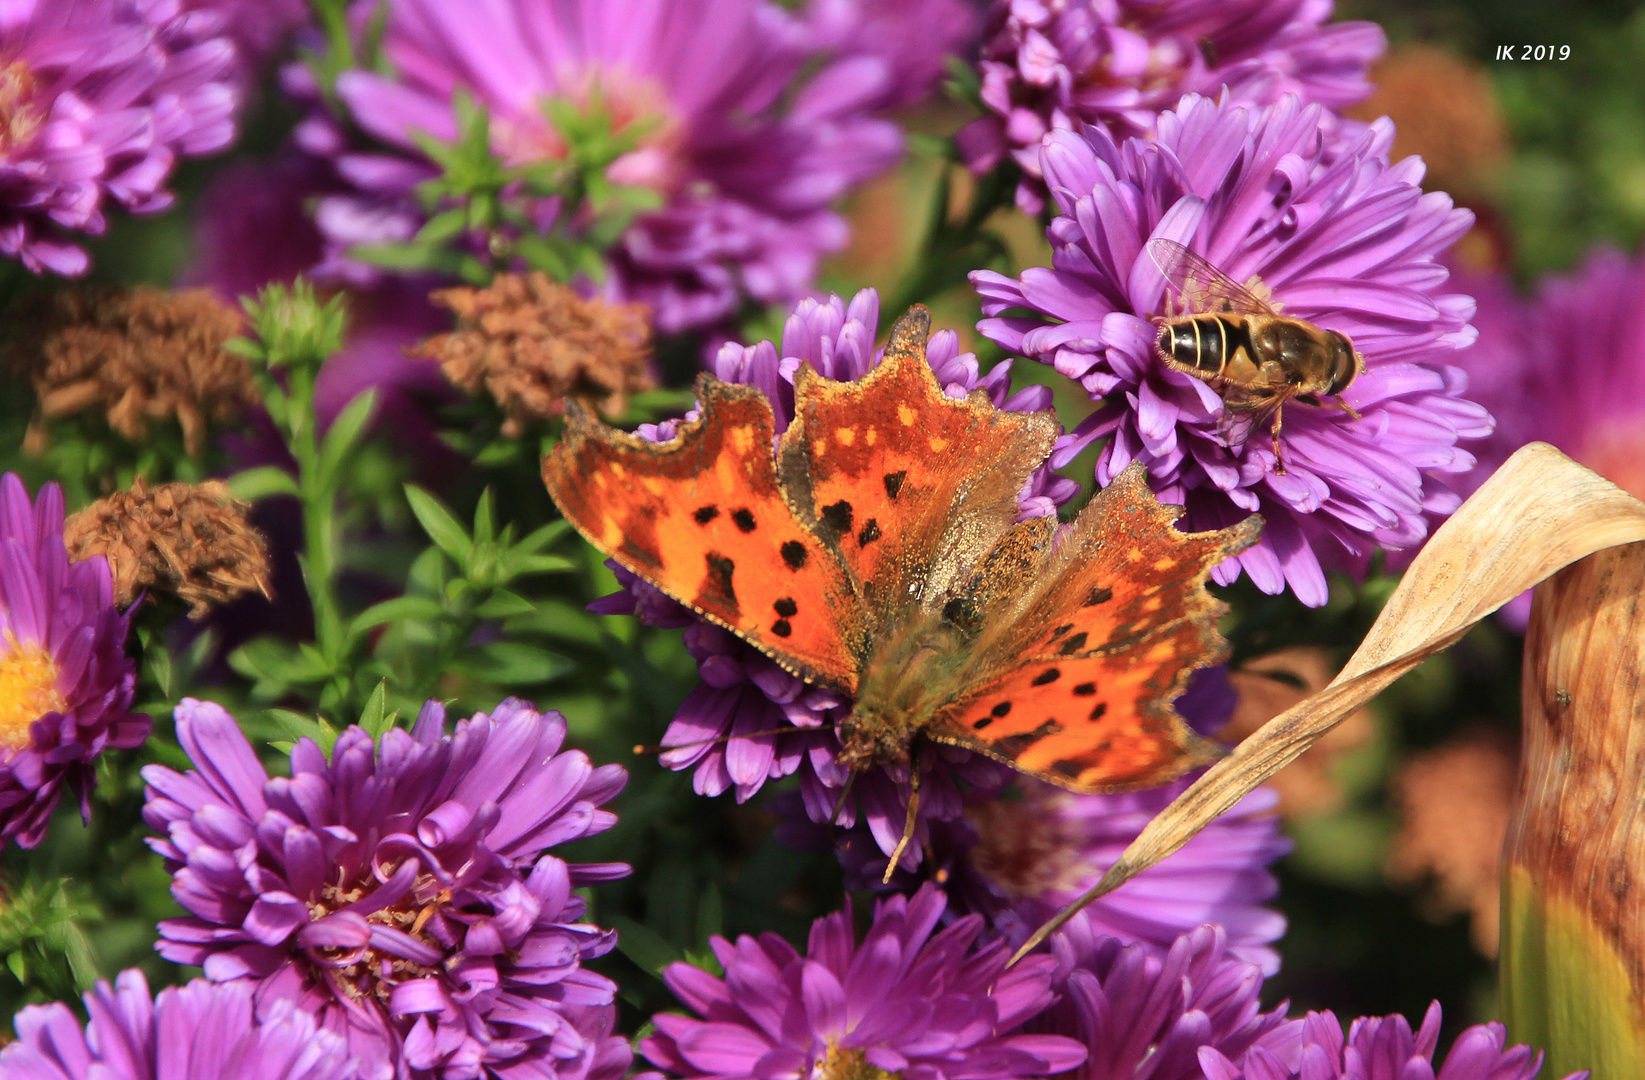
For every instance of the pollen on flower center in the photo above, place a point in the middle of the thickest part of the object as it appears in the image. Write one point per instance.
(840, 1064)
(374, 972)
(1024, 847)
(20, 117)
(28, 691)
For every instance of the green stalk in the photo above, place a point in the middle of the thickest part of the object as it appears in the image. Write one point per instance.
(1573, 909)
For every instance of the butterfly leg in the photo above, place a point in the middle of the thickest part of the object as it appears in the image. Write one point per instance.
(845, 793)
(910, 821)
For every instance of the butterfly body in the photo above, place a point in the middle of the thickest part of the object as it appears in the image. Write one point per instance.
(878, 553)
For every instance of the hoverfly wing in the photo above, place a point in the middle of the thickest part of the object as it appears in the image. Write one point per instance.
(1203, 287)
(1244, 411)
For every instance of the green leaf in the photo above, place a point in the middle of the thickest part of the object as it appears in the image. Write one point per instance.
(377, 718)
(444, 226)
(710, 917)
(299, 726)
(502, 603)
(643, 945)
(514, 663)
(485, 524)
(261, 482)
(343, 435)
(441, 526)
(399, 609)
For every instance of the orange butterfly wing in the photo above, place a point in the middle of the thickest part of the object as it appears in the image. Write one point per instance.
(703, 518)
(1090, 657)
(913, 486)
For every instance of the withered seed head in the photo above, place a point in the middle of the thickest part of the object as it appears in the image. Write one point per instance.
(139, 355)
(531, 343)
(188, 539)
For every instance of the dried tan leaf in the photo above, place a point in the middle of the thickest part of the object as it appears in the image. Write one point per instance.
(1541, 511)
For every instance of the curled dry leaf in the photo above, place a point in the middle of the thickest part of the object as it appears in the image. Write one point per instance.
(1540, 512)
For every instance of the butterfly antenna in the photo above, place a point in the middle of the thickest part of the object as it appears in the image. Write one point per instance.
(908, 823)
(658, 748)
(845, 793)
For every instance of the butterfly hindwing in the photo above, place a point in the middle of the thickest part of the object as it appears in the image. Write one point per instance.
(1077, 673)
(913, 486)
(702, 518)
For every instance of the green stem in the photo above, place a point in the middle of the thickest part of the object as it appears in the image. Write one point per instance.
(319, 528)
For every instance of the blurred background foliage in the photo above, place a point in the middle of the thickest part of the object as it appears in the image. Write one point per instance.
(1549, 154)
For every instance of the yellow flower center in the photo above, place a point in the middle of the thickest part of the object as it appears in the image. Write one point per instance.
(28, 691)
(840, 1064)
(20, 115)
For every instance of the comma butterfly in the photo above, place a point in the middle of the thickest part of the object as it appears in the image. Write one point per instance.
(878, 553)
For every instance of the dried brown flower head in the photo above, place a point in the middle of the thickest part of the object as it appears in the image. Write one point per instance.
(1268, 685)
(192, 540)
(140, 355)
(1444, 110)
(531, 343)
(1454, 803)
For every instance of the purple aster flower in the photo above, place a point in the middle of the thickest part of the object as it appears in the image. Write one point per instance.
(1019, 856)
(1343, 239)
(202, 1031)
(1147, 1015)
(899, 46)
(1314, 1048)
(910, 1000)
(401, 892)
(1056, 65)
(750, 721)
(66, 683)
(258, 27)
(753, 129)
(98, 98)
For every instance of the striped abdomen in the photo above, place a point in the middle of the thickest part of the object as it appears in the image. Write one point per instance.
(1205, 343)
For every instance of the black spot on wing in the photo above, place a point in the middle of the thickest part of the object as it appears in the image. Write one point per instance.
(1002, 709)
(786, 607)
(869, 533)
(837, 517)
(794, 554)
(1061, 630)
(718, 589)
(1047, 677)
(1096, 713)
(705, 514)
(744, 519)
(782, 628)
(1085, 689)
(893, 482)
(1098, 596)
(1016, 744)
(978, 725)
(1073, 644)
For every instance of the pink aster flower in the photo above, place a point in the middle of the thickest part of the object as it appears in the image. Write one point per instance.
(98, 99)
(922, 1003)
(1314, 1048)
(202, 1031)
(1344, 239)
(1149, 1016)
(1566, 367)
(754, 126)
(66, 683)
(1020, 855)
(1056, 65)
(750, 721)
(401, 892)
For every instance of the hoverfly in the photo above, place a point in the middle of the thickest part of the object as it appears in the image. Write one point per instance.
(1255, 358)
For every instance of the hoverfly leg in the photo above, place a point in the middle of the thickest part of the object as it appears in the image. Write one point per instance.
(1279, 455)
(1353, 413)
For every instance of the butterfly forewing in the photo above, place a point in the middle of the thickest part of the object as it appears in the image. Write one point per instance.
(702, 518)
(913, 486)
